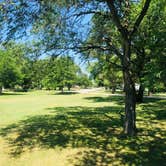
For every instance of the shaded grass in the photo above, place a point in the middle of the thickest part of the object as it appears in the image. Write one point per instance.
(72, 126)
(66, 93)
(116, 99)
(95, 129)
(11, 94)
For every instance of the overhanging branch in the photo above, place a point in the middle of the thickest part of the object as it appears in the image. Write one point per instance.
(115, 18)
(140, 17)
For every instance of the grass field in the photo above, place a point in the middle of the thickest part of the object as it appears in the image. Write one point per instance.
(42, 128)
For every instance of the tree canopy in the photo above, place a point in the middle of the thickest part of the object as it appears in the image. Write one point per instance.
(124, 33)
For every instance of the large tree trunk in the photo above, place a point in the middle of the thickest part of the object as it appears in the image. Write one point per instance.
(130, 105)
(130, 94)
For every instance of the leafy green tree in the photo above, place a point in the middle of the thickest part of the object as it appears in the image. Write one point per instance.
(149, 49)
(106, 73)
(61, 72)
(83, 80)
(59, 24)
(10, 70)
(38, 72)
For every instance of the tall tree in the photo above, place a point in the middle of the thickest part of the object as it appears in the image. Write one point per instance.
(60, 72)
(10, 66)
(149, 48)
(60, 22)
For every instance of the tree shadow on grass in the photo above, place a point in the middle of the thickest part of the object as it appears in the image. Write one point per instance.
(153, 109)
(11, 94)
(96, 129)
(66, 93)
(74, 126)
(152, 99)
(117, 99)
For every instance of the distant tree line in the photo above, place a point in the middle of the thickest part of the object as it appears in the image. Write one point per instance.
(18, 71)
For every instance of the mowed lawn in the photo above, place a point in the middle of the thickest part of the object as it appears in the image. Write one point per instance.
(42, 128)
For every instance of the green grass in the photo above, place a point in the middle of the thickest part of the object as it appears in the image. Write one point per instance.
(44, 128)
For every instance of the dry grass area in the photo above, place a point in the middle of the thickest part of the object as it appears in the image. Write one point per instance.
(43, 128)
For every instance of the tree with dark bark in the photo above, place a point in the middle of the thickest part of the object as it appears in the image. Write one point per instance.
(58, 23)
(125, 30)
(129, 84)
(149, 49)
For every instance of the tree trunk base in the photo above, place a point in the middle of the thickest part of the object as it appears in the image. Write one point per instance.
(0, 90)
(140, 94)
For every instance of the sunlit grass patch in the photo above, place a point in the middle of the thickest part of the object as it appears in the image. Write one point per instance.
(78, 129)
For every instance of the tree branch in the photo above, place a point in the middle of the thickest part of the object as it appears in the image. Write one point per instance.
(82, 13)
(113, 47)
(90, 47)
(116, 20)
(116, 65)
(140, 17)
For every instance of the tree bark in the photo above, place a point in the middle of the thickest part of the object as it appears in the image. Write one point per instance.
(130, 105)
(130, 94)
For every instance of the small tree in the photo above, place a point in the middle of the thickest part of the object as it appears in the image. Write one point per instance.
(83, 80)
(10, 69)
(60, 72)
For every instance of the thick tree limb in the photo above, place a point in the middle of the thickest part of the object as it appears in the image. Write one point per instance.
(140, 17)
(116, 20)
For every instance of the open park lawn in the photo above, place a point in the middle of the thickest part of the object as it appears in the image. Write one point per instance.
(42, 128)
